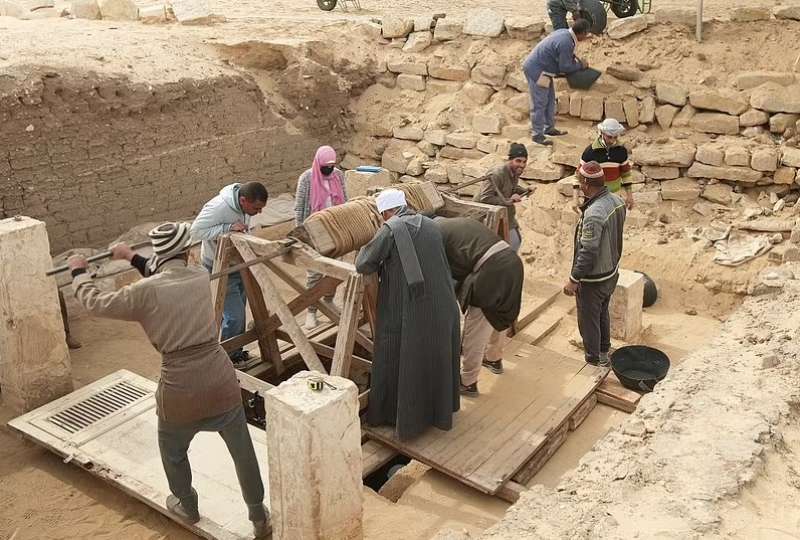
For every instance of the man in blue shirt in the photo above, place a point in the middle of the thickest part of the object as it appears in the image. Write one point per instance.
(553, 56)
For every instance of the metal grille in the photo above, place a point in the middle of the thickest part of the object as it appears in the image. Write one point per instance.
(93, 409)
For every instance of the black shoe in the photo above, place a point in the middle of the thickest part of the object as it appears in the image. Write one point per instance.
(495, 367)
(469, 390)
(553, 132)
(541, 139)
(592, 361)
(240, 359)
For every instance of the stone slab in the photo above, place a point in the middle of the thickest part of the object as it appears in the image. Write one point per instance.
(314, 439)
(35, 365)
(625, 308)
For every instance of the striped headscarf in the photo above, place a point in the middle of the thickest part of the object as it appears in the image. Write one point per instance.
(169, 240)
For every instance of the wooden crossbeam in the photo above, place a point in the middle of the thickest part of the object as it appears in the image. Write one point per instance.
(267, 342)
(302, 256)
(327, 310)
(327, 351)
(273, 298)
(219, 287)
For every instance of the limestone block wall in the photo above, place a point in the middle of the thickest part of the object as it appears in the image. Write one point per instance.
(753, 117)
(92, 157)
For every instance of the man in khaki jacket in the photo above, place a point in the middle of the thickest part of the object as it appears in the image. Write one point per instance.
(502, 188)
(197, 390)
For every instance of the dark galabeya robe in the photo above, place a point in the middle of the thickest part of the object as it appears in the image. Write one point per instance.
(415, 369)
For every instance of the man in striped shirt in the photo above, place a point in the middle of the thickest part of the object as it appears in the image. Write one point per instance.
(613, 157)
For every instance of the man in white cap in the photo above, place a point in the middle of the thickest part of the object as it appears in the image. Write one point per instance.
(595, 264)
(613, 158)
(197, 390)
(415, 369)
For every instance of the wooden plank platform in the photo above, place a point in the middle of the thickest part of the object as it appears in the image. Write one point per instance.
(515, 416)
(537, 297)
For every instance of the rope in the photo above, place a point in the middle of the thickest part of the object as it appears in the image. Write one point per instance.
(354, 223)
(350, 225)
(415, 197)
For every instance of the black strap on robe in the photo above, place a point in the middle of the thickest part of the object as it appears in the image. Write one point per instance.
(408, 256)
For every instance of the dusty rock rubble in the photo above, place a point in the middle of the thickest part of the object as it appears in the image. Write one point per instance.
(694, 443)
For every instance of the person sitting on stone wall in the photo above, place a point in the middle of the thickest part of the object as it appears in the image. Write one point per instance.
(320, 187)
(230, 211)
(197, 390)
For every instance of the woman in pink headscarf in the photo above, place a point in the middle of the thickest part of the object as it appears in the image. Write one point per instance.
(320, 187)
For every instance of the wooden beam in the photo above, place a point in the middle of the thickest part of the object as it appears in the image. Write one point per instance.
(301, 256)
(327, 310)
(267, 342)
(348, 326)
(219, 288)
(371, 303)
(327, 351)
(307, 298)
(510, 491)
(612, 393)
(375, 455)
(273, 298)
(236, 342)
(363, 400)
(251, 384)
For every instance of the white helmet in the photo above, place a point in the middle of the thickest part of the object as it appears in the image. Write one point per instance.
(611, 127)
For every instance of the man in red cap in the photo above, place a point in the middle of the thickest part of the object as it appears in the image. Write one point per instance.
(595, 264)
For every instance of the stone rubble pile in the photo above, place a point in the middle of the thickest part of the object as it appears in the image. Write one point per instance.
(182, 11)
(754, 123)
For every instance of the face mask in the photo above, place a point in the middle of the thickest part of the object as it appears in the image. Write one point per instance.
(326, 169)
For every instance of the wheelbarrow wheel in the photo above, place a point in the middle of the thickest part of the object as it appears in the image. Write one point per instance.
(624, 8)
(328, 5)
(594, 12)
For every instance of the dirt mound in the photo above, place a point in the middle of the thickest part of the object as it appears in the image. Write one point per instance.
(694, 444)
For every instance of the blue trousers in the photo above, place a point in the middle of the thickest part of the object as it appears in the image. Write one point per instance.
(234, 318)
(543, 104)
(174, 441)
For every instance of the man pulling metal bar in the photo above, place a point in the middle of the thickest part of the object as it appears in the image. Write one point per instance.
(197, 390)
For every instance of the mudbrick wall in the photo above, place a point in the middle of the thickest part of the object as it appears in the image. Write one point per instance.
(92, 157)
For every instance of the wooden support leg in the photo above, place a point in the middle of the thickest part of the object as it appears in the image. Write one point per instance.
(275, 301)
(326, 310)
(348, 325)
(219, 287)
(371, 302)
(267, 342)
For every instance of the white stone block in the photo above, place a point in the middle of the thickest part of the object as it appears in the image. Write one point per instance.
(153, 14)
(358, 183)
(483, 22)
(191, 11)
(625, 309)
(119, 10)
(35, 365)
(85, 9)
(314, 441)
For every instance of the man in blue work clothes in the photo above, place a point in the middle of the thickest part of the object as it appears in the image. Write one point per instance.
(553, 56)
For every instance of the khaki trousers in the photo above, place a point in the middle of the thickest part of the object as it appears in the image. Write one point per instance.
(478, 340)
